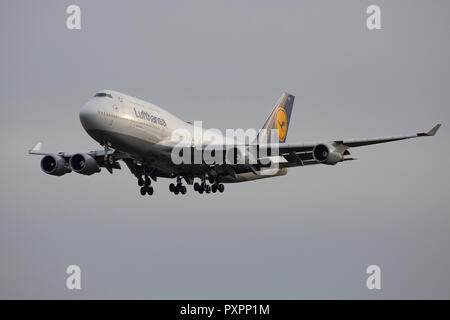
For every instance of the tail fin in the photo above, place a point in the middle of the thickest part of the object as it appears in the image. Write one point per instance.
(278, 119)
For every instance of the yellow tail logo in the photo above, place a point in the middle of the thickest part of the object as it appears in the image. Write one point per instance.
(281, 124)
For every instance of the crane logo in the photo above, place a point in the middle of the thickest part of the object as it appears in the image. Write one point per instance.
(281, 124)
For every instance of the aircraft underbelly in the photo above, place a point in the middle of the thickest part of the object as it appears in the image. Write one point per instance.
(249, 176)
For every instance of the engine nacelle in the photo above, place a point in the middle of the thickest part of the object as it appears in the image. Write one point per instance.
(327, 154)
(84, 164)
(54, 165)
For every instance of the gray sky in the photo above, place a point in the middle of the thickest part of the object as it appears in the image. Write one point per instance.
(310, 234)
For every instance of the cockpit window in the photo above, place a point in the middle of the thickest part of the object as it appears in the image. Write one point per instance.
(102, 94)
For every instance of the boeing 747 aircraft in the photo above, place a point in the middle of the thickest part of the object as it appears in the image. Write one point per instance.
(144, 136)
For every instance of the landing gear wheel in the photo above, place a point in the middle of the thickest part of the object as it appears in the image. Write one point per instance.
(183, 190)
(200, 190)
(143, 191)
(176, 191)
(150, 191)
(221, 187)
(214, 188)
(196, 186)
(148, 182)
(140, 182)
(171, 187)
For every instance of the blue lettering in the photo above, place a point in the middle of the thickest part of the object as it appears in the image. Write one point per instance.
(145, 115)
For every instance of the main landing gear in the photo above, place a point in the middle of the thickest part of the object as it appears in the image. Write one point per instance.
(145, 183)
(178, 188)
(204, 187)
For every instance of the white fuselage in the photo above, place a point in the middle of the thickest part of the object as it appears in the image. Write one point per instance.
(141, 129)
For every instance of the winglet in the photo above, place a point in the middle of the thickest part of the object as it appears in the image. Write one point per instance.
(430, 133)
(36, 149)
(433, 131)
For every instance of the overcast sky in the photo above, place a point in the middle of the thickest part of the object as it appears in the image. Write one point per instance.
(310, 234)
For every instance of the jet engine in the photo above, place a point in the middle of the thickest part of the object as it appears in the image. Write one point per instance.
(84, 164)
(327, 154)
(54, 165)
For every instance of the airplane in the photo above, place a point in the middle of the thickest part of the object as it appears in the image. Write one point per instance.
(141, 135)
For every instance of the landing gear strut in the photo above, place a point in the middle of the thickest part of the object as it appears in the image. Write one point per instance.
(108, 159)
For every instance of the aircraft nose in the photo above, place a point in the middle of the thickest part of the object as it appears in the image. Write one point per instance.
(88, 115)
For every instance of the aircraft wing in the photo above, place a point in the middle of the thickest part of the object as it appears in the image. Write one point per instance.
(301, 154)
(98, 155)
(37, 150)
(304, 147)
